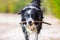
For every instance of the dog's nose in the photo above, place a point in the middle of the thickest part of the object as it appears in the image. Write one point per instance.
(30, 23)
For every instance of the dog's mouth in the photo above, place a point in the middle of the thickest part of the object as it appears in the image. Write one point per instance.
(32, 26)
(30, 23)
(35, 22)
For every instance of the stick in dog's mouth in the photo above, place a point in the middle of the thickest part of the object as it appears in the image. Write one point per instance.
(36, 21)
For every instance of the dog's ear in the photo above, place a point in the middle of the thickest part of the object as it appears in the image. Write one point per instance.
(20, 12)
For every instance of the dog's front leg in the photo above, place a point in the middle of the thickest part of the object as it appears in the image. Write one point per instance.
(25, 31)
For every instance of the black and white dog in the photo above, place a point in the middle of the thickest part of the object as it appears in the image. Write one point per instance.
(31, 13)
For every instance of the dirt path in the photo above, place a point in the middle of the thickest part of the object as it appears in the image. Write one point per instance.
(11, 30)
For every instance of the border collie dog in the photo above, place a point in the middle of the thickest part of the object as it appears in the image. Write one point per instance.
(31, 13)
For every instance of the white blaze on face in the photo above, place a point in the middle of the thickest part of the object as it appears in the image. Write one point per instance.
(29, 19)
(29, 12)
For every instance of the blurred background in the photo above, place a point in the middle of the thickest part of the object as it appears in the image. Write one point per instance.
(13, 6)
(9, 19)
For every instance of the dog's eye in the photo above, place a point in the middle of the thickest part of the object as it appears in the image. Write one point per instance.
(28, 15)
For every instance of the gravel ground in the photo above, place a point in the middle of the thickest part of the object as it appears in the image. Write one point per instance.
(11, 30)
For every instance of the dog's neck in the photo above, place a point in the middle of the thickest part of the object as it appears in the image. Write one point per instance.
(36, 2)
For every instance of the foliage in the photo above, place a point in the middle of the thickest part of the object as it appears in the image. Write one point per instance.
(52, 7)
(55, 6)
(13, 6)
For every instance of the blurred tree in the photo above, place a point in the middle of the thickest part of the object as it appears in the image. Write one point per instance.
(2, 6)
(52, 7)
(13, 6)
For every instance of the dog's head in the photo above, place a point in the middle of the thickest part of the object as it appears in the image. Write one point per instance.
(31, 15)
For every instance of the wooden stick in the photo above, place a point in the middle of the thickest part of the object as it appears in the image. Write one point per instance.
(43, 22)
(36, 21)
